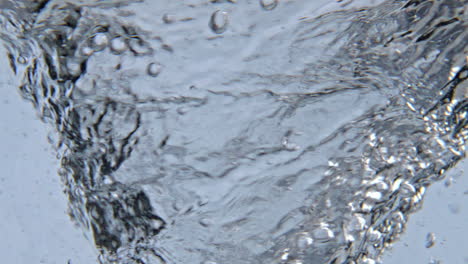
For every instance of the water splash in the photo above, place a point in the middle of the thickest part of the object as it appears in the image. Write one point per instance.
(305, 138)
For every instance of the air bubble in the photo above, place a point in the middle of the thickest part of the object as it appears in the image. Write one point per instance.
(367, 261)
(219, 21)
(118, 45)
(21, 60)
(154, 69)
(398, 217)
(381, 186)
(374, 235)
(367, 206)
(205, 222)
(430, 240)
(407, 189)
(304, 240)
(374, 195)
(139, 47)
(323, 234)
(396, 184)
(357, 223)
(169, 18)
(285, 255)
(73, 67)
(448, 182)
(100, 41)
(435, 261)
(268, 4)
(87, 51)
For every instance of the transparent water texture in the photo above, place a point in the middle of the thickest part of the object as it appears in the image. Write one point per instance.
(244, 131)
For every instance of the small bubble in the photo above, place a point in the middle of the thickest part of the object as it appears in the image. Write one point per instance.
(396, 184)
(139, 47)
(157, 224)
(268, 4)
(205, 222)
(87, 51)
(108, 180)
(398, 217)
(448, 182)
(21, 60)
(182, 110)
(73, 67)
(118, 45)
(348, 237)
(357, 223)
(168, 18)
(285, 254)
(367, 206)
(430, 240)
(219, 21)
(304, 240)
(407, 189)
(381, 186)
(373, 235)
(154, 69)
(367, 260)
(435, 261)
(289, 146)
(374, 195)
(323, 234)
(100, 41)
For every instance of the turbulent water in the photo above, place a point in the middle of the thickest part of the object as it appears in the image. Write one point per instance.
(240, 132)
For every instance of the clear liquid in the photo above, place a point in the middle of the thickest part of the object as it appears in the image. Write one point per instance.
(244, 131)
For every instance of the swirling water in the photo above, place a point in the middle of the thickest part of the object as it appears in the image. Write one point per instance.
(243, 132)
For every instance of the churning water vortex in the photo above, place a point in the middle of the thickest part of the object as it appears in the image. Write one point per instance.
(241, 132)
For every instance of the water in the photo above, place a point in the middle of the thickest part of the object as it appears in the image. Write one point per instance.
(244, 131)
